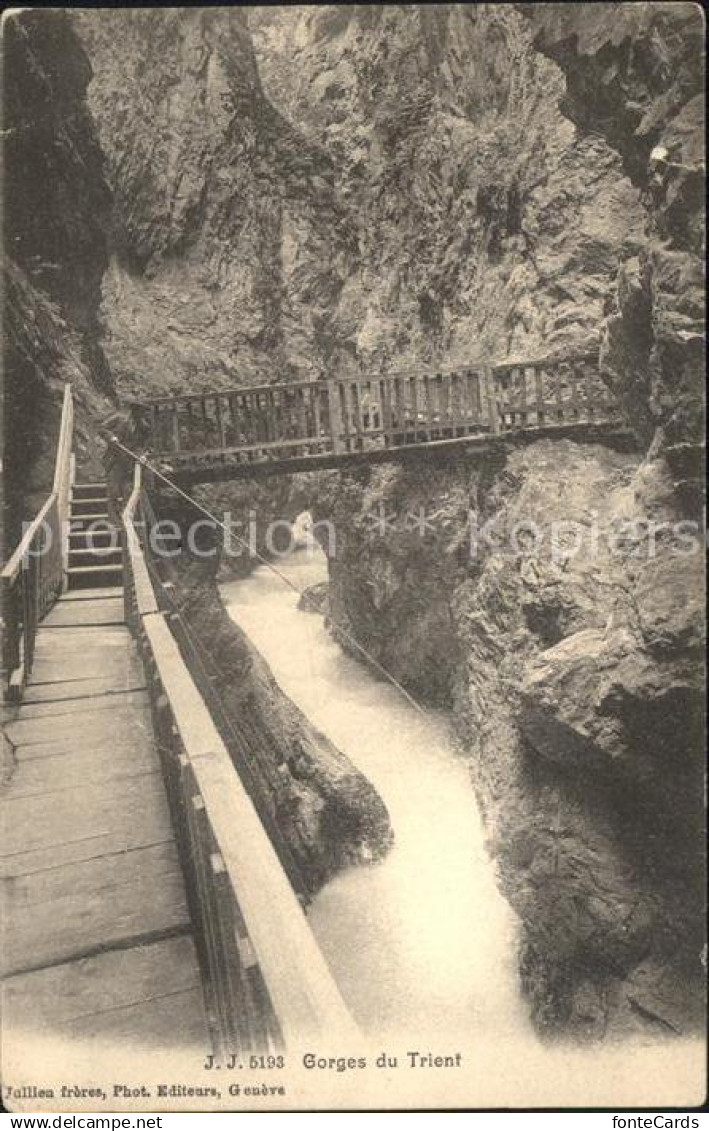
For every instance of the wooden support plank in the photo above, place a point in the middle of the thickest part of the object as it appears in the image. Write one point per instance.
(99, 593)
(77, 613)
(75, 689)
(520, 378)
(190, 435)
(72, 767)
(556, 377)
(385, 401)
(347, 430)
(444, 393)
(232, 420)
(38, 835)
(317, 394)
(334, 417)
(428, 409)
(54, 669)
(301, 414)
(175, 428)
(60, 913)
(221, 431)
(149, 1024)
(575, 406)
(115, 701)
(490, 383)
(457, 416)
(414, 400)
(398, 408)
(29, 731)
(474, 383)
(106, 983)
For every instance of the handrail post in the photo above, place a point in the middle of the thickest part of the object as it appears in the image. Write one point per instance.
(64, 526)
(334, 414)
(490, 384)
(34, 575)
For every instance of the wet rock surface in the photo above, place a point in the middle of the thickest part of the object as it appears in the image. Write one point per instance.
(315, 599)
(482, 225)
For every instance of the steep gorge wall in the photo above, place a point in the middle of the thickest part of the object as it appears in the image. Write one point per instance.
(56, 209)
(384, 186)
(61, 224)
(637, 80)
(371, 186)
(575, 678)
(207, 176)
(482, 225)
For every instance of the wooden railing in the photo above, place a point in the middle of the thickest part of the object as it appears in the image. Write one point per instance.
(35, 574)
(543, 394)
(338, 416)
(267, 984)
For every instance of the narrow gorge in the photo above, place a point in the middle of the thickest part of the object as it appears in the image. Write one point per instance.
(247, 196)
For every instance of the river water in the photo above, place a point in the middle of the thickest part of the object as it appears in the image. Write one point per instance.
(421, 941)
(422, 944)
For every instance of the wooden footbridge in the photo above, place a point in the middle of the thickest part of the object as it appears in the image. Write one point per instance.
(147, 895)
(143, 875)
(276, 429)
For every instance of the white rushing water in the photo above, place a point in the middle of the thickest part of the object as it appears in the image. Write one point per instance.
(422, 944)
(421, 941)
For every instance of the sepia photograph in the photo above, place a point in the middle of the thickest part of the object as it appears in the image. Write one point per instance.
(353, 559)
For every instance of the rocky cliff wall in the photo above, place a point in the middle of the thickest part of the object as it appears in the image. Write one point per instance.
(575, 678)
(372, 186)
(636, 78)
(208, 179)
(56, 209)
(483, 225)
(535, 597)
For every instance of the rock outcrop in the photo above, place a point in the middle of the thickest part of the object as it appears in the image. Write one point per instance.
(372, 187)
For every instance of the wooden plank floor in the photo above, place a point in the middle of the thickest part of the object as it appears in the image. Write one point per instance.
(96, 938)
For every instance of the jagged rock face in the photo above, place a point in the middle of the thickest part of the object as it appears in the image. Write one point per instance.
(637, 79)
(401, 189)
(484, 226)
(208, 180)
(56, 211)
(56, 199)
(566, 635)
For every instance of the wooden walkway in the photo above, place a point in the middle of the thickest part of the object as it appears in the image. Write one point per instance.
(338, 423)
(96, 942)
